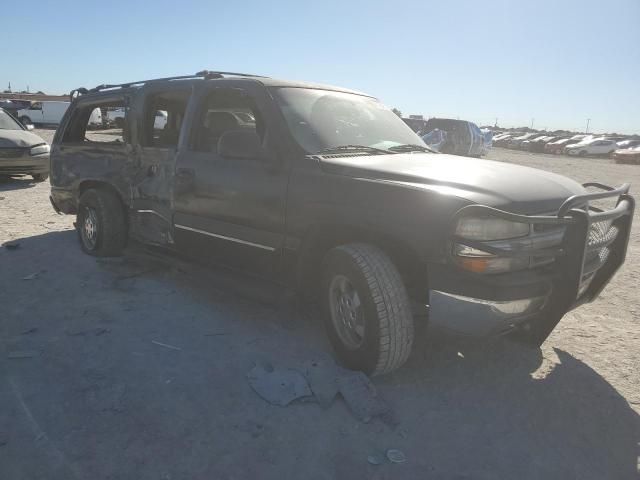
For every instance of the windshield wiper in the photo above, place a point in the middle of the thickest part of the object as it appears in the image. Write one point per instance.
(354, 148)
(412, 147)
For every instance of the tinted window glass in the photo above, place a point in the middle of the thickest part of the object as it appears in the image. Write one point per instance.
(225, 111)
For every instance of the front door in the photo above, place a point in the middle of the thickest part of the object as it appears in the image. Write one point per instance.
(230, 210)
(155, 157)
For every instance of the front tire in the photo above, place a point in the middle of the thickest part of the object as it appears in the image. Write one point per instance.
(25, 121)
(367, 312)
(583, 153)
(101, 223)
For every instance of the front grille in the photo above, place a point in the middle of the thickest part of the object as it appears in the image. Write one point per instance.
(600, 237)
(12, 152)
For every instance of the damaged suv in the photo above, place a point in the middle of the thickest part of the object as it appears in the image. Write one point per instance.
(327, 190)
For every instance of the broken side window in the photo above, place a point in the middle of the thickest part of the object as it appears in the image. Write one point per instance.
(163, 116)
(93, 122)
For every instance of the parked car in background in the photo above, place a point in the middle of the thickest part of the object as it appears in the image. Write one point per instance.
(515, 142)
(557, 146)
(21, 151)
(596, 146)
(503, 139)
(435, 139)
(537, 144)
(463, 137)
(43, 113)
(116, 117)
(624, 144)
(627, 155)
(95, 119)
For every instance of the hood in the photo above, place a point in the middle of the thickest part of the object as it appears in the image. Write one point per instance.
(19, 138)
(502, 185)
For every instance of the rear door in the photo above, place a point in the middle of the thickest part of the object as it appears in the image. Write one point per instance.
(154, 154)
(231, 210)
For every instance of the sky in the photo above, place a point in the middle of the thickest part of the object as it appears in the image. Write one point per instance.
(551, 63)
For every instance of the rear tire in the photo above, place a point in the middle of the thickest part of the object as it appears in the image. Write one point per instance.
(101, 223)
(40, 177)
(367, 312)
(583, 153)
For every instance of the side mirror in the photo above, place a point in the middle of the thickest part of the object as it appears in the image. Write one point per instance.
(242, 143)
(29, 126)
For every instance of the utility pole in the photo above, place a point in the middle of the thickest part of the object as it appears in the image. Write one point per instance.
(495, 125)
(587, 129)
(532, 123)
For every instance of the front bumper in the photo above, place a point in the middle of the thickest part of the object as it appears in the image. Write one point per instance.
(18, 161)
(591, 250)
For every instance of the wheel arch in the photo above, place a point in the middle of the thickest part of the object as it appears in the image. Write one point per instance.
(320, 239)
(101, 185)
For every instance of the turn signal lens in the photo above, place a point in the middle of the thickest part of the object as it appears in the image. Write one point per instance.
(479, 261)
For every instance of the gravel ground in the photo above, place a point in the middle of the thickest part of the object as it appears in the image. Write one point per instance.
(95, 397)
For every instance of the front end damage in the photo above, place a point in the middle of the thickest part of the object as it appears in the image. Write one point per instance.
(527, 283)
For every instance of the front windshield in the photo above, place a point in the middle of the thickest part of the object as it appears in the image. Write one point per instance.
(323, 119)
(7, 122)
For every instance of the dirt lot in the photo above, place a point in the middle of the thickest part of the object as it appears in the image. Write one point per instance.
(97, 395)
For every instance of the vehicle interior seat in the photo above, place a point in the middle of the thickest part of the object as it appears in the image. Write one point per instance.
(216, 124)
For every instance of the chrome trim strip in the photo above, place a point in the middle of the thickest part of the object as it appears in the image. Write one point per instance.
(155, 213)
(231, 239)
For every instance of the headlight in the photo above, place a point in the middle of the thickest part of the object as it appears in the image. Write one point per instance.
(39, 149)
(488, 230)
(484, 229)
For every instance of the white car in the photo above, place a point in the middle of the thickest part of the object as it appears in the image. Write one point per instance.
(595, 146)
(49, 113)
(95, 119)
(116, 117)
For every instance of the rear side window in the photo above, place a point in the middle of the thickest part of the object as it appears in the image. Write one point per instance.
(224, 111)
(163, 117)
(101, 122)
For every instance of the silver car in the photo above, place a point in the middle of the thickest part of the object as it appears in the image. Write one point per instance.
(22, 152)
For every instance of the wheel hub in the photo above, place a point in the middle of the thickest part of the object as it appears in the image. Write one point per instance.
(90, 228)
(346, 312)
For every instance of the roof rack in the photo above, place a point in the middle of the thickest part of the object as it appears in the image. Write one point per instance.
(204, 74)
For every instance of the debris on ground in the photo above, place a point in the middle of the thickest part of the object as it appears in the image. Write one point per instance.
(32, 276)
(11, 245)
(29, 330)
(396, 456)
(320, 381)
(215, 334)
(361, 396)
(22, 354)
(277, 386)
(376, 458)
(166, 345)
(322, 376)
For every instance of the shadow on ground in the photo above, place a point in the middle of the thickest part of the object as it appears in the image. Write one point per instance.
(99, 399)
(15, 182)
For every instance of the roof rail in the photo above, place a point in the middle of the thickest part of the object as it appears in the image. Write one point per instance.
(204, 74)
